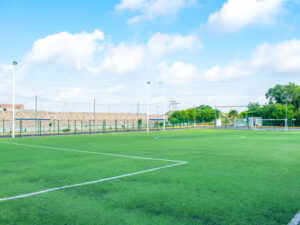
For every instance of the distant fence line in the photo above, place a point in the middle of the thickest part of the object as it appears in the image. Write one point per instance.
(46, 127)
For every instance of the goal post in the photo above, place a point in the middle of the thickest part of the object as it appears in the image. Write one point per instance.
(270, 124)
(229, 116)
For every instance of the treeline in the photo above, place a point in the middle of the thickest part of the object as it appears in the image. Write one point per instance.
(280, 98)
(200, 113)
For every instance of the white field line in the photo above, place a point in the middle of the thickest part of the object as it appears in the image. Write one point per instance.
(89, 182)
(97, 153)
(295, 220)
(203, 138)
(177, 163)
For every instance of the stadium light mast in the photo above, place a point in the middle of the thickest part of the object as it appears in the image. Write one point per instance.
(148, 90)
(286, 112)
(286, 115)
(164, 100)
(15, 63)
(164, 106)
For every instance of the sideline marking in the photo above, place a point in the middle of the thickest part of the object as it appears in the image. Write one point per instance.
(295, 220)
(178, 163)
(97, 153)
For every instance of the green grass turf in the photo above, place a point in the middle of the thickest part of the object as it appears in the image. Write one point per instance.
(233, 177)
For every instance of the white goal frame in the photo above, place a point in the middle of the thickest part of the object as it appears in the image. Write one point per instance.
(258, 122)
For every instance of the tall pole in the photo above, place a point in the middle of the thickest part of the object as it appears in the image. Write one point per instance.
(35, 113)
(138, 110)
(94, 115)
(194, 117)
(13, 97)
(286, 115)
(148, 90)
(164, 106)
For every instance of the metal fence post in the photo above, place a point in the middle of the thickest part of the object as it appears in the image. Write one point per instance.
(54, 125)
(103, 125)
(20, 128)
(40, 128)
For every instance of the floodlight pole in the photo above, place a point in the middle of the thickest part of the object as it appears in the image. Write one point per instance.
(164, 100)
(35, 113)
(94, 115)
(286, 115)
(148, 90)
(15, 63)
(194, 117)
(164, 106)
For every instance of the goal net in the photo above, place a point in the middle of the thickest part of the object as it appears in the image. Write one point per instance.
(270, 124)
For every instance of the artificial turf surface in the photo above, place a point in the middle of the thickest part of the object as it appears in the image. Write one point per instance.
(232, 177)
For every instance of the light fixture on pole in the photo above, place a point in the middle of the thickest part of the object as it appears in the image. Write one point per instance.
(15, 63)
(148, 90)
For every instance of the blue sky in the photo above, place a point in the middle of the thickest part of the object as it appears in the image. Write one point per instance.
(206, 52)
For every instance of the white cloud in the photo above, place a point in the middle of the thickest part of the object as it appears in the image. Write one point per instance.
(85, 52)
(66, 49)
(282, 58)
(236, 14)
(150, 9)
(235, 70)
(160, 44)
(273, 59)
(178, 73)
(125, 58)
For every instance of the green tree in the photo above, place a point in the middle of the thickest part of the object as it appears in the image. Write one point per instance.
(296, 97)
(277, 111)
(281, 94)
(203, 112)
(275, 94)
(233, 113)
(297, 117)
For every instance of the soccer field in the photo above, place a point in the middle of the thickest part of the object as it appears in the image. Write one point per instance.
(173, 177)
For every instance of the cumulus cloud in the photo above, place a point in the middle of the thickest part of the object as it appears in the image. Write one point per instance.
(88, 52)
(273, 59)
(149, 9)
(178, 73)
(125, 58)
(160, 44)
(235, 70)
(236, 14)
(120, 59)
(66, 49)
(281, 58)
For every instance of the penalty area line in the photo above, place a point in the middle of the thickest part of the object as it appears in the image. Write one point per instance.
(295, 220)
(89, 182)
